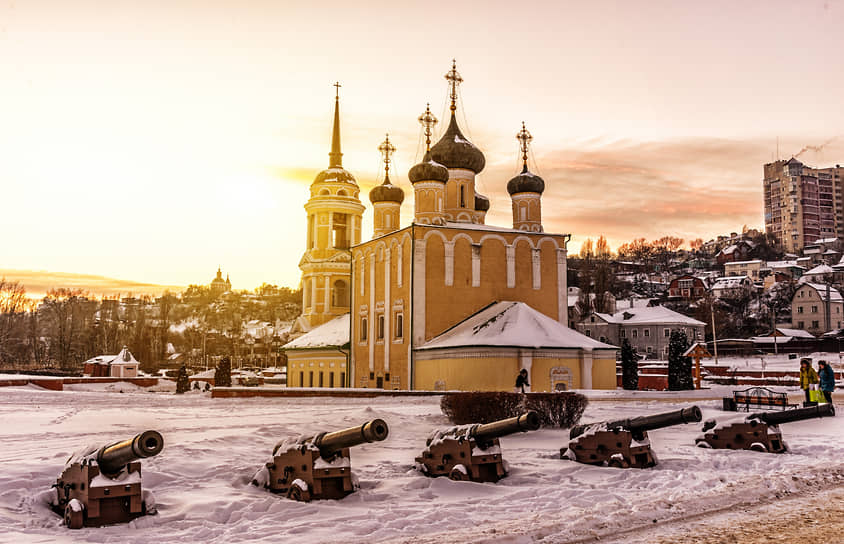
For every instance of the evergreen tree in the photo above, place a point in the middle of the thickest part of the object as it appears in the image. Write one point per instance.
(629, 367)
(223, 373)
(182, 382)
(679, 367)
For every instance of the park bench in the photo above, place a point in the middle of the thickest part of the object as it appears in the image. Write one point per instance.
(761, 397)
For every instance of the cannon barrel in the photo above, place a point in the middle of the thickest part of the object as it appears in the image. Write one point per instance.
(371, 431)
(111, 459)
(798, 414)
(644, 423)
(529, 421)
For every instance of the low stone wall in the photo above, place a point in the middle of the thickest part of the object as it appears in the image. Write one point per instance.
(296, 392)
(57, 384)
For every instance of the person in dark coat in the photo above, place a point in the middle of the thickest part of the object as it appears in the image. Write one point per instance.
(522, 381)
(827, 380)
(808, 376)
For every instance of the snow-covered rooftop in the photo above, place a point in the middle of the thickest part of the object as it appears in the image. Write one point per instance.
(820, 270)
(332, 333)
(652, 315)
(834, 295)
(512, 324)
(730, 282)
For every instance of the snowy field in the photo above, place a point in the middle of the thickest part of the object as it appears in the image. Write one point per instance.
(212, 448)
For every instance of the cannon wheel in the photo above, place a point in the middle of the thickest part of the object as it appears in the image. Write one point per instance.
(296, 493)
(758, 446)
(72, 518)
(458, 475)
(618, 463)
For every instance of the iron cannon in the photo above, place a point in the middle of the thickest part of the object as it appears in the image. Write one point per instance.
(317, 467)
(622, 443)
(102, 485)
(472, 452)
(757, 432)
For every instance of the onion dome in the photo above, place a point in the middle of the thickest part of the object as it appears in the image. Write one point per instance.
(428, 170)
(455, 151)
(481, 203)
(335, 173)
(386, 192)
(526, 182)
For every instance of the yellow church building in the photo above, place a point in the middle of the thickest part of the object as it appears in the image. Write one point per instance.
(447, 302)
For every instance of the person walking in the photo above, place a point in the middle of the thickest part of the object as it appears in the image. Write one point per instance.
(808, 376)
(827, 380)
(522, 381)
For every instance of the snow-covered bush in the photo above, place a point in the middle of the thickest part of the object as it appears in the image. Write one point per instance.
(562, 409)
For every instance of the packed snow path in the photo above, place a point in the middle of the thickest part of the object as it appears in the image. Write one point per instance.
(213, 447)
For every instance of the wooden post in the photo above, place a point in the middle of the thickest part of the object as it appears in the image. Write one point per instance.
(697, 351)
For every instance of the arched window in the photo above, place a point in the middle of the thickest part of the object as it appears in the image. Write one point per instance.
(462, 196)
(340, 294)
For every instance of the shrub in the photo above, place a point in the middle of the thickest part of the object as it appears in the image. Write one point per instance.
(562, 409)
(223, 373)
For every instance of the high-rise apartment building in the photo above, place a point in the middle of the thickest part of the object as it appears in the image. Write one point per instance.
(803, 204)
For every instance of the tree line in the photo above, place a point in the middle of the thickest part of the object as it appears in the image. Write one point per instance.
(70, 326)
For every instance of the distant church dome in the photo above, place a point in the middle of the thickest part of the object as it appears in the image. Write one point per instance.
(455, 151)
(526, 182)
(335, 174)
(481, 203)
(428, 170)
(386, 192)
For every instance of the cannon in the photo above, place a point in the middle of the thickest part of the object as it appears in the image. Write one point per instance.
(623, 443)
(472, 452)
(317, 467)
(102, 485)
(757, 432)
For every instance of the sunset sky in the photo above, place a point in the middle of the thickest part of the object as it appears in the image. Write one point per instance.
(152, 141)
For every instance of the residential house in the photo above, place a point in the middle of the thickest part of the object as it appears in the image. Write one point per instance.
(687, 286)
(731, 287)
(817, 308)
(647, 329)
(739, 251)
(750, 269)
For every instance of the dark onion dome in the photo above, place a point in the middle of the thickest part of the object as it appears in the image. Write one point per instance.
(335, 174)
(526, 182)
(455, 151)
(428, 170)
(481, 203)
(386, 192)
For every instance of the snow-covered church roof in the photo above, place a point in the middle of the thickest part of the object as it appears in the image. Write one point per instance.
(512, 324)
(332, 333)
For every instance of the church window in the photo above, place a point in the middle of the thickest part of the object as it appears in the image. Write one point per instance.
(399, 325)
(310, 232)
(462, 196)
(310, 378)
(380, 335)
(364, 323)
(523, 213)
(320, 378)
(301, 379)
(387, 221)
(339, 223)
(330, 379)
(341, 294)
(341, 192)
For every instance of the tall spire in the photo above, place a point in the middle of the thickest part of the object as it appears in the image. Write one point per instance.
(387, 149)
(454, 79)
(428, 121)
(336, 157)
(524, 138)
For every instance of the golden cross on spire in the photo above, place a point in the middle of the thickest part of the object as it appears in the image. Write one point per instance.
(454, 80)
(428, 121)
(386, 149)
(337, 84)
(524, 138)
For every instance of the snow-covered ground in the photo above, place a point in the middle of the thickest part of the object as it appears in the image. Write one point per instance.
(213, 447)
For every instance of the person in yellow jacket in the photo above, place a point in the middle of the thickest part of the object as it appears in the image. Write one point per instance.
(808, 376)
